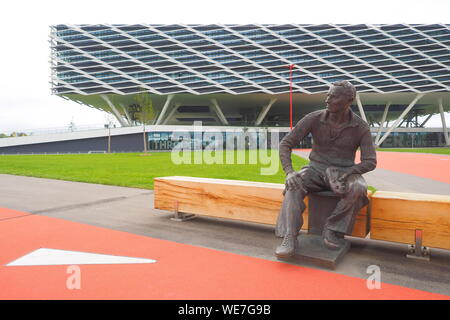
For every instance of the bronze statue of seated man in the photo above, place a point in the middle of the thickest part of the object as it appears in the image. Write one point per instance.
(337, 133)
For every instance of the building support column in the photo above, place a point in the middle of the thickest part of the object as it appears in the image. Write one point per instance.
(425, 121)
(157, 113)
(444, 125)
(127, 115)
(396, 123)
(219, 112)
(114, 110)
(360, 107)
(264, 112)
(383, 119)
(164, 109)
(171, 113)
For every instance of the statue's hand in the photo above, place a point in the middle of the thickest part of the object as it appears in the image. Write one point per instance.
(291, 181)
(345, 174)
(337, 177)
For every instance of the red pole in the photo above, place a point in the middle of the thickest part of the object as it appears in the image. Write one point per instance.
(291, 66)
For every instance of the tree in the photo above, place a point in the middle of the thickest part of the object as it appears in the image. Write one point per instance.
(144, 100)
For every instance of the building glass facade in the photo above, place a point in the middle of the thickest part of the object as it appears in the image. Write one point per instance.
(238, 75)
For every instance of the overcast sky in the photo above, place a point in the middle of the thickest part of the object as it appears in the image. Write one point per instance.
(25, 99)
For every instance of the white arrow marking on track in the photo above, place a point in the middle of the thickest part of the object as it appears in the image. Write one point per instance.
(51, 257)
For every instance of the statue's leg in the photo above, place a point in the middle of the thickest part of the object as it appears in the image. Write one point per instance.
(290, 221)
(342, 219)
(290, 218)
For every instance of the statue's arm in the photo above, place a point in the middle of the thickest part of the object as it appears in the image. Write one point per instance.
(368, 157)
(301, 130)
(368, 154)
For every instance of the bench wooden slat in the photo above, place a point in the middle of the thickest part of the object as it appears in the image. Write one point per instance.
(395, 216)
(231, 199)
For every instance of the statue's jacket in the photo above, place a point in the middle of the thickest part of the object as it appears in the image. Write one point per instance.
(328, 150)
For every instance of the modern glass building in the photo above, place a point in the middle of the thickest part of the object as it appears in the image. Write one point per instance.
(239, 75)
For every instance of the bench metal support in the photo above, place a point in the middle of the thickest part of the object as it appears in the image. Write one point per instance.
(417, 251)
(180, 216)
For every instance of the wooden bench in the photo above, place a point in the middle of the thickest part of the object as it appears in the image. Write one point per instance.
(257, 202)
(420, 220)
(411, 218)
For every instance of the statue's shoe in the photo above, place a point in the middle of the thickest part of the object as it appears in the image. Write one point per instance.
(333, 240)
(287, 247)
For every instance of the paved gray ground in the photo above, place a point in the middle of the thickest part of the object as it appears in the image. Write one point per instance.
(131, 210)
(388, 180)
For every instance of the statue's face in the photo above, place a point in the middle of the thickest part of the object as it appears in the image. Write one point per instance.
(337, 100)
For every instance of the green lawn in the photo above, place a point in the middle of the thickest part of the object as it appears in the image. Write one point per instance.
(134, 169)
(418, 150)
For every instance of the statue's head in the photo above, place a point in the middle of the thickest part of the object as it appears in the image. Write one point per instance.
(340, 96)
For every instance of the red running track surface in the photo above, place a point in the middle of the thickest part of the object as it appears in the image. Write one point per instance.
(181, 271)
(425, 165)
